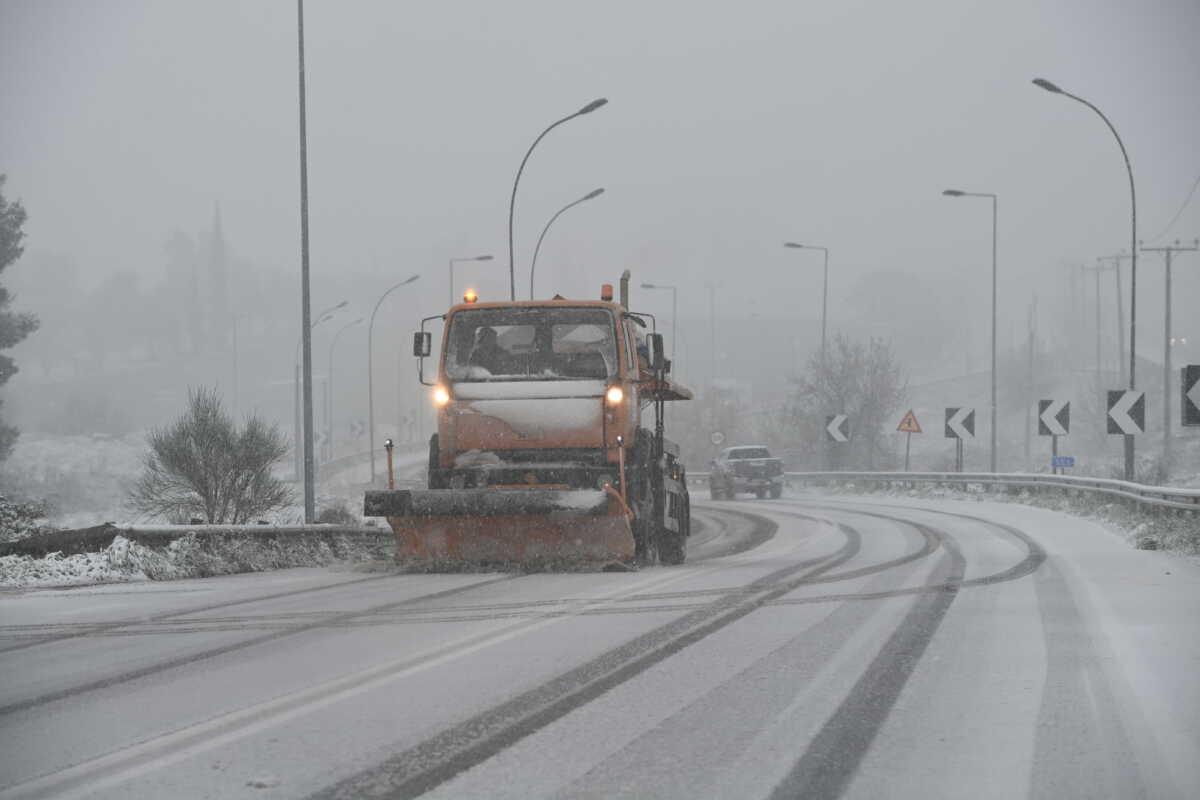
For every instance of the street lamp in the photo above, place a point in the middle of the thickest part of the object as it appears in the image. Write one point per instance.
(303, 445)
(958, 193)
(533, 265)
(1050, 87)
(454, 261)
(589, 108)
(824, 290)
(674, 305)
(329, 389)
(310, 509)
(371, 373)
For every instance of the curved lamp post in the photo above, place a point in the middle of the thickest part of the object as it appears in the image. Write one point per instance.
(371, 373)
(589, 108)
(958, 193)
(1042, 83)
(329, 387)
(454, 261)
(824, 288)
(533, 265)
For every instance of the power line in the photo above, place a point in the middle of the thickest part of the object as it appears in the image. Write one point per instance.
(1178, 213)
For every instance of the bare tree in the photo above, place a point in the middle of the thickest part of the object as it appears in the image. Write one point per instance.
(860, 380)
(203, 466)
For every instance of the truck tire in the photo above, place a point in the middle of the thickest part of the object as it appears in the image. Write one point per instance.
(433, 482)
(672, 546)
(761, 494)
(776, 491)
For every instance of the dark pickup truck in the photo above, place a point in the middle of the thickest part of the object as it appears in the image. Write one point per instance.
(745, 469)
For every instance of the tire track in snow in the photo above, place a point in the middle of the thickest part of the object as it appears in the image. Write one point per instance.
(192, 658)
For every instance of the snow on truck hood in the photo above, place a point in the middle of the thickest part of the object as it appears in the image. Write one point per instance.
(527, 390)
(535, 407)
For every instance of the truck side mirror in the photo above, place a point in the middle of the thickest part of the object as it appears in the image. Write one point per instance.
(657, 360)
(422, 344)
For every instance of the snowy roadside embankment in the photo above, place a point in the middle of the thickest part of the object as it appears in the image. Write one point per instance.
(110, 555)
(1144, 527)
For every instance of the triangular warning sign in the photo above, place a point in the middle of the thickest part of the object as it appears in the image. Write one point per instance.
(909, 424)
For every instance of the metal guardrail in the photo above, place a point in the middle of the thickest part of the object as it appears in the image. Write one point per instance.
(1159, 496)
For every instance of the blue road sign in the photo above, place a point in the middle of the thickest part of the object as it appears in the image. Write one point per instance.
(1058, 462)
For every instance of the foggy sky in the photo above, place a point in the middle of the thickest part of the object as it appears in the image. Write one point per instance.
(731, 128)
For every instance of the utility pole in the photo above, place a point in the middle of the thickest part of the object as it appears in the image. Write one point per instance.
(1167, 252)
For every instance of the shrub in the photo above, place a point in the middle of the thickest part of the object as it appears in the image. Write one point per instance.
(203, 466)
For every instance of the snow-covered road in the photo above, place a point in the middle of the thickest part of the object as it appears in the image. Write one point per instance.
(811, 647)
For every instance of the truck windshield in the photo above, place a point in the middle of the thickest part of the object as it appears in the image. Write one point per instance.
(749, 452)
(537, 343)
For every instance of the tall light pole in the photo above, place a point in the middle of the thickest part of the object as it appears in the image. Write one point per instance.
(329, 399)
(557, 214)
(824, 289)
(301, 444)
(957, 193)
(310, 510)
(674, 306)
(1050, 87)
(589, 108)
(371, 372)
(454, 261)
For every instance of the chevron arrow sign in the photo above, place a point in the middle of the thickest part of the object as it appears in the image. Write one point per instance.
(1054, 417)
(1126, 411)
(1190, 383)
(960, 423)
(837, 428)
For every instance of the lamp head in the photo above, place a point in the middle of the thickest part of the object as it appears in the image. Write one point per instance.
(594, 193)
(410, 280)
(484, 258)
(1042, 83)
(794, 244)
(592, 106)
(953, 193)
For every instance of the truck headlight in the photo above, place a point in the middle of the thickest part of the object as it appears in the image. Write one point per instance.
(615, 395)
(440, 396)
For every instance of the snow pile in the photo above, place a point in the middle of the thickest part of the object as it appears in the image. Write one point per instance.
(1144, 527)
(192, 556)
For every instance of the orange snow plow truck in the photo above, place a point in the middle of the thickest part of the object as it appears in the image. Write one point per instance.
(541, 458)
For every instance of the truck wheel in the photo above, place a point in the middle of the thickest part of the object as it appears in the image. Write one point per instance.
(672, 548)
(776, 492)
(714, 493)
(432, 480)
(761, 494)
(645, 542)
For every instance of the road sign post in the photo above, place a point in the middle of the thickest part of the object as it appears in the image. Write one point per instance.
(960, 425)
(908, 426)
(1054, 420)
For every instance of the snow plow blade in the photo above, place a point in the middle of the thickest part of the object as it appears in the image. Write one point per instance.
(534, 527)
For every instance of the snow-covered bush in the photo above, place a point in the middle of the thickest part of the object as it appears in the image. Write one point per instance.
(20, 520)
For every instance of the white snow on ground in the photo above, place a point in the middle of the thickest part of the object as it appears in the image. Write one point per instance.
(189, 557)
(1140, 526)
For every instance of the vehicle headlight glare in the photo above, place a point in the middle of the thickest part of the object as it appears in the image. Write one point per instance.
(440, 396)
(614, 395)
